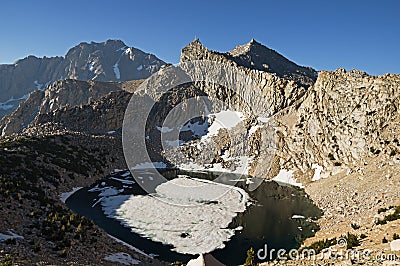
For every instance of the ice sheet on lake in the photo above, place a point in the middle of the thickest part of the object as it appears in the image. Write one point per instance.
(109, 191)
(190, 214)
(123, 181)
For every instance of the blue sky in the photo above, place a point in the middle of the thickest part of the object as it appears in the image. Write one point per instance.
(322, 34)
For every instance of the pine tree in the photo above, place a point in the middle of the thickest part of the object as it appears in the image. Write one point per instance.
(250, 261)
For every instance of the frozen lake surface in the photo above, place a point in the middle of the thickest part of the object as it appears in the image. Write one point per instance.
(190, 214)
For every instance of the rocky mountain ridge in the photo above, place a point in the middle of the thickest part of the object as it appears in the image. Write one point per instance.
(327, 129)
(316, 125)
(112, 60)
(256, 56)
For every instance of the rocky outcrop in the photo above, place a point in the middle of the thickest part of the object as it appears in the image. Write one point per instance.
(101, 116)
(74, 92)
(23, 115)
(107, 61)
(58, 95)
(345, 118)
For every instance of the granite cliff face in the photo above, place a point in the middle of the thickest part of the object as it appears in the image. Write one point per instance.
(343, 120)
(107, 61)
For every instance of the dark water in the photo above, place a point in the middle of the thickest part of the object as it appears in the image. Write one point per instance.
(267, 221)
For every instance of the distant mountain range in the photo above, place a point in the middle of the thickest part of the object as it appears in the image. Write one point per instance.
(111, 60)
(79, 76)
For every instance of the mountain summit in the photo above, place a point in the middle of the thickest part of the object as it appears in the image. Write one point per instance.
(111, 60)
(254, 55)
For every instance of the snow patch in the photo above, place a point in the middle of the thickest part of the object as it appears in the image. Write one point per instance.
(263, 119)
(129, 51)
(395, 245)
(122, 49)
(317, 172)
(39, 86)
(191, 166)
(224, 119)
(198, 129)
(139, 68)
(6, 106)
(91, 66)
(286, 177)
(122, 258)
(64, 196)
(253, 129)
(116, 70)
(197, 262)
(9, 103)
